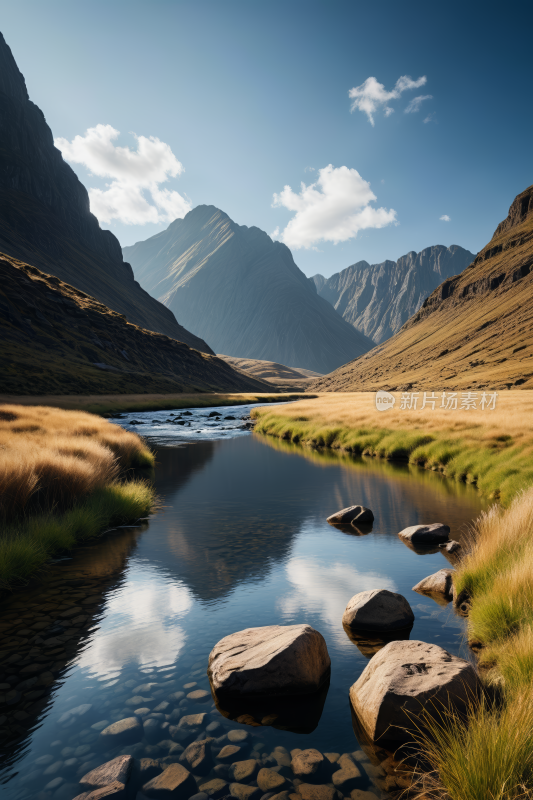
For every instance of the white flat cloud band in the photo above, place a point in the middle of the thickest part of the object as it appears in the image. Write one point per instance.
(135, 175)
(333, 209)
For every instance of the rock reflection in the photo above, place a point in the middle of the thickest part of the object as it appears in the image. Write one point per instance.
(368, 643)
(294, 713)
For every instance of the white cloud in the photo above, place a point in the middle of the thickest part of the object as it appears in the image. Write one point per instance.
(371, 94)
(416, 102)
(445, 218)
(430, 117)
(333, 209)
(134, 174)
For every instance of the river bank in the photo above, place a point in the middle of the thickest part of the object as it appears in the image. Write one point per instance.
(107, 404)
(491, 448)
(65, 476)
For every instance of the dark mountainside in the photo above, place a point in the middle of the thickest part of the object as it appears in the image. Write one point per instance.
(235, 287)
(45, 218)
(378, 299)
(58, 340)
(475, 331)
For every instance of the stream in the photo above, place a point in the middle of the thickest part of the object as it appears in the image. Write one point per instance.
(124, 627)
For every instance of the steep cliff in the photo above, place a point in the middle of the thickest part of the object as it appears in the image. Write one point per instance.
(45, 218)
(474, 331)
(378, 299)
(235, 287)
(58, 340)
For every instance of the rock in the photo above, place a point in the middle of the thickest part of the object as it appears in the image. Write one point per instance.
(351, 514)
(198, 695)
(348, 776)
(174, 783)
(451, 546)
(242, 771)
(198, 757)
(215, 788)
(115, 790)
(243, 792)
(125, 731)
(229, 753)
(406, 676)
(378, 610)
(307, 762)
(175, 697)
(138, 700)
(116, 770)
(439, 585)
(425, 534)
(309, 791)
(191, 721)
(144, 770)
(238, 736)
(152, 729)
(270, 781)
(359, 794)
(272, 660)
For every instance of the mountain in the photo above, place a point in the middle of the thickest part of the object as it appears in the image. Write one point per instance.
(474, 331)
(45, 218)
(378, 299)
(58, 340)
(242, 292)
(285, 378)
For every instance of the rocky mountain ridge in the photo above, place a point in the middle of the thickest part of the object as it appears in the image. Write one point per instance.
(474, 331)
(45, 219)
(378, 299)
(241, 291)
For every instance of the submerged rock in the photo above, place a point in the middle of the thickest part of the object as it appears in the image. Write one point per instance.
(272, 660)
(350, 515)
(404, 678)
(378, 610)
(175, 781)
(125, 731)
(426, 534)
(116, 770)
(438, 586)
(308, 763)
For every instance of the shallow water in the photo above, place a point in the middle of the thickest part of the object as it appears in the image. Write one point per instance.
(242, 541)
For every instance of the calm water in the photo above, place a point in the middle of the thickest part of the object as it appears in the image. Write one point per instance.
(242, 541)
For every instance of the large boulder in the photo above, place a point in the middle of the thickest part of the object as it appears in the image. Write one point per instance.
(116, 770)
(377, 610)
(351, 514)
(404, 678)
(269, 661)
(438, 586)
(426, 534)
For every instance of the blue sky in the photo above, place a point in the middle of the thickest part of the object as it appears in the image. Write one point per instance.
(247, 97)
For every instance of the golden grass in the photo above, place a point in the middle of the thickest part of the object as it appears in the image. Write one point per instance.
(491, 448)
(50, 458)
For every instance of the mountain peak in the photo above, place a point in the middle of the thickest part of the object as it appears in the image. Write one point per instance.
(12, 81)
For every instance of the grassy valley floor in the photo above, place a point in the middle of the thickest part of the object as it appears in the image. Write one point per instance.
(65, 476)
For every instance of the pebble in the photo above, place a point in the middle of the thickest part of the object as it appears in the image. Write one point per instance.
(54, 784)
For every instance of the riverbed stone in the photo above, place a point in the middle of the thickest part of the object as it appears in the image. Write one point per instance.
(175, 697)
(191, 721)
(238, 736)
(138, 700)
(438, 585)
(351, 514)
(307, 762)
(174, 783)
(215, 788)
(229, 753)
(242, 771)
(123, 732)
(312, 791)
(426, 534)
(271, 660)
(152, 729)
(118, 769)
(378, 610)
(270, 781)
(198, 695)
(401, 680)
(348, 777)
(243, 792)
(198, 757)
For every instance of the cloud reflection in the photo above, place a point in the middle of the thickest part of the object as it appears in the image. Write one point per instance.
(139, 625)
(325, 590)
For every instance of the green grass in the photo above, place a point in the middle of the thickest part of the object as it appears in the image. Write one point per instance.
(499, 469)
(25, 547)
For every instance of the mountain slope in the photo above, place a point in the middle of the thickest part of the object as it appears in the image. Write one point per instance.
(378, 299)
(285, 378)
(45, 218)
(58, 340)
(235, 287)
(474, 331)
